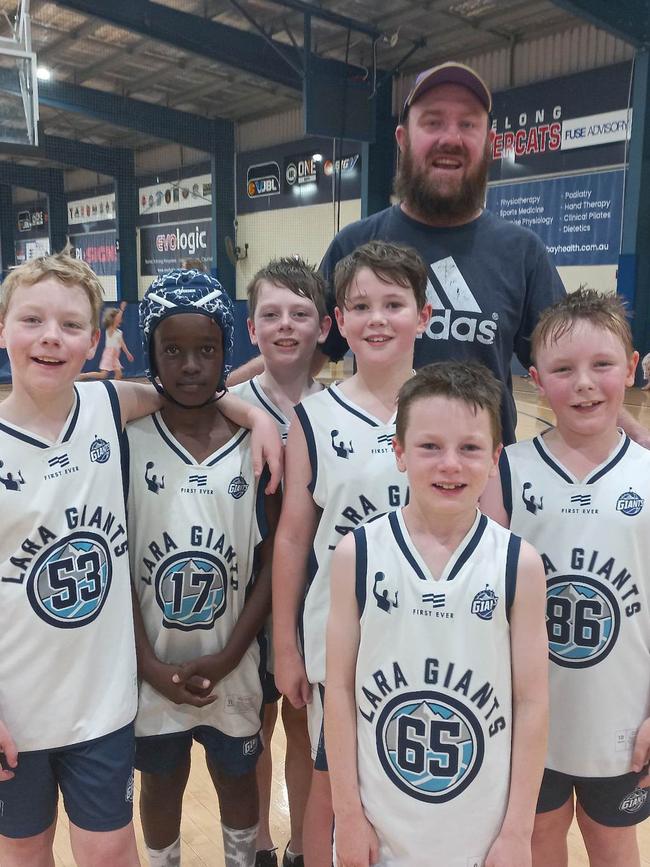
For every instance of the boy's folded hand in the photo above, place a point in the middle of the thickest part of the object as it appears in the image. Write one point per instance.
(202, 674)
(165, 679)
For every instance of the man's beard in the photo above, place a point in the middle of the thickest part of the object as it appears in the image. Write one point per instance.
(428, 200)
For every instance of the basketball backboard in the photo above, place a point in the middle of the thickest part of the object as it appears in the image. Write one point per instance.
(18, 82)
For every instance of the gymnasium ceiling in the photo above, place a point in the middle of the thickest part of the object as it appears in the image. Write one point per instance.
(108, 53)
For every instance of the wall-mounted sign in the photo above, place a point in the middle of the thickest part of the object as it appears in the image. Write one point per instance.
(165, 247)
(176, 195)
(263, 179)
(32, 218)
(91, 209)
(345, 166)
(99, 250)
(300, 170)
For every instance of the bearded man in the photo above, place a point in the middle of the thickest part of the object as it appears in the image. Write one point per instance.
(489, 279)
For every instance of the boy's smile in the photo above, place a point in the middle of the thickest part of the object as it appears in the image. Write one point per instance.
(47, 333)
(584, 373)
(380, 319)
(188, 350)
(448, 453)
(286, 326)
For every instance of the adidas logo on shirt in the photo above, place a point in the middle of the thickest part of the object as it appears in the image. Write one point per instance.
(455, 297)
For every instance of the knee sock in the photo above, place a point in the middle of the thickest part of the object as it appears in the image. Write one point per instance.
(169, 857)
(239, 846)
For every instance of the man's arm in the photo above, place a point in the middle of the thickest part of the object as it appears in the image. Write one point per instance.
(529, 654)
(356, 840)
(543, 288)
(293, 541)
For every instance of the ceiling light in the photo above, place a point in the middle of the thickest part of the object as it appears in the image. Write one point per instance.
(43, 73)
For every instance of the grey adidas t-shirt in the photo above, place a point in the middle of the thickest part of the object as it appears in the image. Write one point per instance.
(488, 282)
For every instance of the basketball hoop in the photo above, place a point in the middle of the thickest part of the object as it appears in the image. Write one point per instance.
(18, 82)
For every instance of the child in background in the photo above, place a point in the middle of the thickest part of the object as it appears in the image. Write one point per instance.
(436, 700)
(200, 551)
(114, 345)
(580, 494)
(340, 471)
(287, 320)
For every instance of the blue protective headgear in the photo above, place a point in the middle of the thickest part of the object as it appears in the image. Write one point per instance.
(181, 291)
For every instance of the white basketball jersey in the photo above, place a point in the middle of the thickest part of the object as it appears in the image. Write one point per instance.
(594, 538)
(354, 478)
(67, 653)
(433, 692)
(253, 393)
(193, 530)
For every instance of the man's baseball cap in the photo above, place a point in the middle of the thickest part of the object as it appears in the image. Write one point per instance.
(449, 73)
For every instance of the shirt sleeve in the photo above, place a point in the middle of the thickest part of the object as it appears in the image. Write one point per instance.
(543, 288)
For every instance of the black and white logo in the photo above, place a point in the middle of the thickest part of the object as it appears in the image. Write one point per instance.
(435, 600)
(238, 487)
(59, 461)
(12, 481)
(452, 298)
(629, 503)
(583, 500)
(342, 450)
(633, 802)
(484, 603)
(100, 451)
(532, 503)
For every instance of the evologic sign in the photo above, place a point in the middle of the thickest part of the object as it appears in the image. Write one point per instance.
(263, 179)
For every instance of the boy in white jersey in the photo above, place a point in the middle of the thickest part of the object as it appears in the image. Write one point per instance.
(436, 698)
(287, 320)
(198, 531)
(340, 471)
(579, 493)
(68, 691)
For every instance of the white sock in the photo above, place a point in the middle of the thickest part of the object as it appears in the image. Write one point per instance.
(239, 846)
(169, 857)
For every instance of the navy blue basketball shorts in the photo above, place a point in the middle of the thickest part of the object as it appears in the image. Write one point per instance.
(162, 754)
(95, 779)
(616, 802)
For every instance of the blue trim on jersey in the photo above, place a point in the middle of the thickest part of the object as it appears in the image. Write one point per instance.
(260, 503)
(617, 457)
(172, 445)
(75, 416)
(351, 409)
(506, 482)
(121, 435)
(308, 431)
(404, 548)
(222, 454)
(512, 562)
(25, 437)
(361, 567)
(549, 460)
(469, 548)
(265, 403)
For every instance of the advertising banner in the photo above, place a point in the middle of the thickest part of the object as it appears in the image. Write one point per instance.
(99, 250)
(566, 124)
(577, 216)
(163, 247)
(92, 209)
(176, 195)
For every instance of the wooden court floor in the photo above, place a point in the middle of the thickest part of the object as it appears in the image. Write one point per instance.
(200, 833)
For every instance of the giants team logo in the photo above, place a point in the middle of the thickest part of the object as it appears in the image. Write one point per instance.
(69, 582)
(238, 487)
(430, 745)
(629, 503)
(633, 802)
(191, 590)
(582, 620)
(100, 451)
(484, 603)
